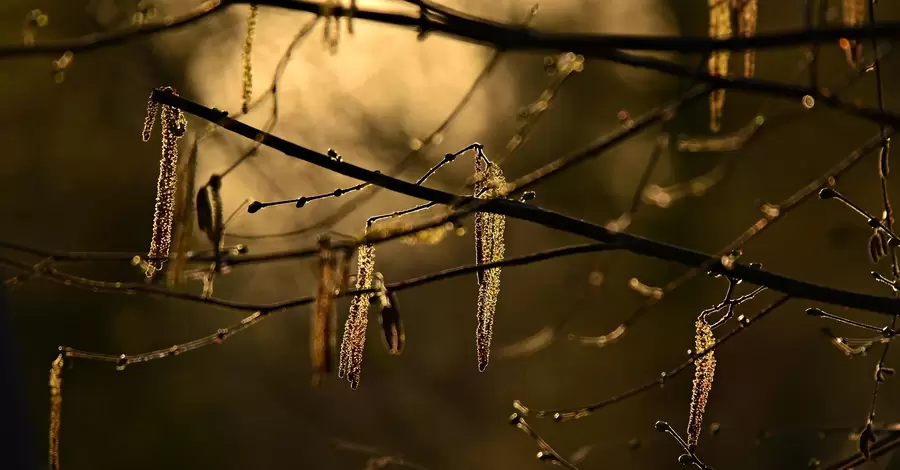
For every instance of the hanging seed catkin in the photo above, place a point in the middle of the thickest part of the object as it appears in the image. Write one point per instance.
(55, 410)
(184, 220)
(749, 12)
(853, 15)
(332, 27)
(392, 332)
(704, 369)
(354, 339)
(247, 58)
(174, 125)
(719, 28)
(489, 247)
(321, 322)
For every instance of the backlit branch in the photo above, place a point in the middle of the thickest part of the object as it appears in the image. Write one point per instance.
(546, 218)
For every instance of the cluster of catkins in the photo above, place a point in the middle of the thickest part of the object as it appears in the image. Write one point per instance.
(720, 27)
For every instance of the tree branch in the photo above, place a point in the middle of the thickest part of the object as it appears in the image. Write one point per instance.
(546, 218)
(437, 19)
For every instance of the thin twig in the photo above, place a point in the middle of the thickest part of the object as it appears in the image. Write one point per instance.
(888, 223)
(771, 214)
(565, 414)
(431, 140)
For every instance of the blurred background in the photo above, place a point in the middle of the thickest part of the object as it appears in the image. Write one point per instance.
(76, 176)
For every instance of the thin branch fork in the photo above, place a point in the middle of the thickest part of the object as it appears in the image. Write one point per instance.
(635, 244)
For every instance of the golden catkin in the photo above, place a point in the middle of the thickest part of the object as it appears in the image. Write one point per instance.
(704, 369)
(746, 28)
(719, 28)
(853, 14)
(332, 27)
(246, 58)
(174, 125)
(354, 339)
(489, 247)
(55, 409)
(321, 322)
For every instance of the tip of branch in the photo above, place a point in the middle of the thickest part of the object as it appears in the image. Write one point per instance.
(827, 193)
(815, 312)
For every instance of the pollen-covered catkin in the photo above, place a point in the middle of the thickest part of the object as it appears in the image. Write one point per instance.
(174, 125)
(853, 15)
(489, 247)
(322, 323)
(704, 370)
(55, 410)
(246, 58)
(747, 27)
(354, 339)
(719, 28)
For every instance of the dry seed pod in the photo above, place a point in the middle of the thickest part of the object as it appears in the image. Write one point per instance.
(853, 15)
(210, 220)
(489, 247)
(878, 245)
(705, 367)
(354, 339)
(719, 28)
(749, 11)
(866, 438)
(246, 58)
(55, 409)
(174, 125)
(391, 324)
(210, 215)
(322, 325)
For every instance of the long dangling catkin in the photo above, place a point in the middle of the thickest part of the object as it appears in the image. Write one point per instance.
(246, 57)
(719, 28)
(489, 247)
(321, 326)
(354, 339)
(704, 369)
(747, 27)
(332, 26)
(173, 125)
(853, 15)
(55, 409)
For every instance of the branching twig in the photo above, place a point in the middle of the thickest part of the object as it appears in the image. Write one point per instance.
(771, 214)
(565, 414)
